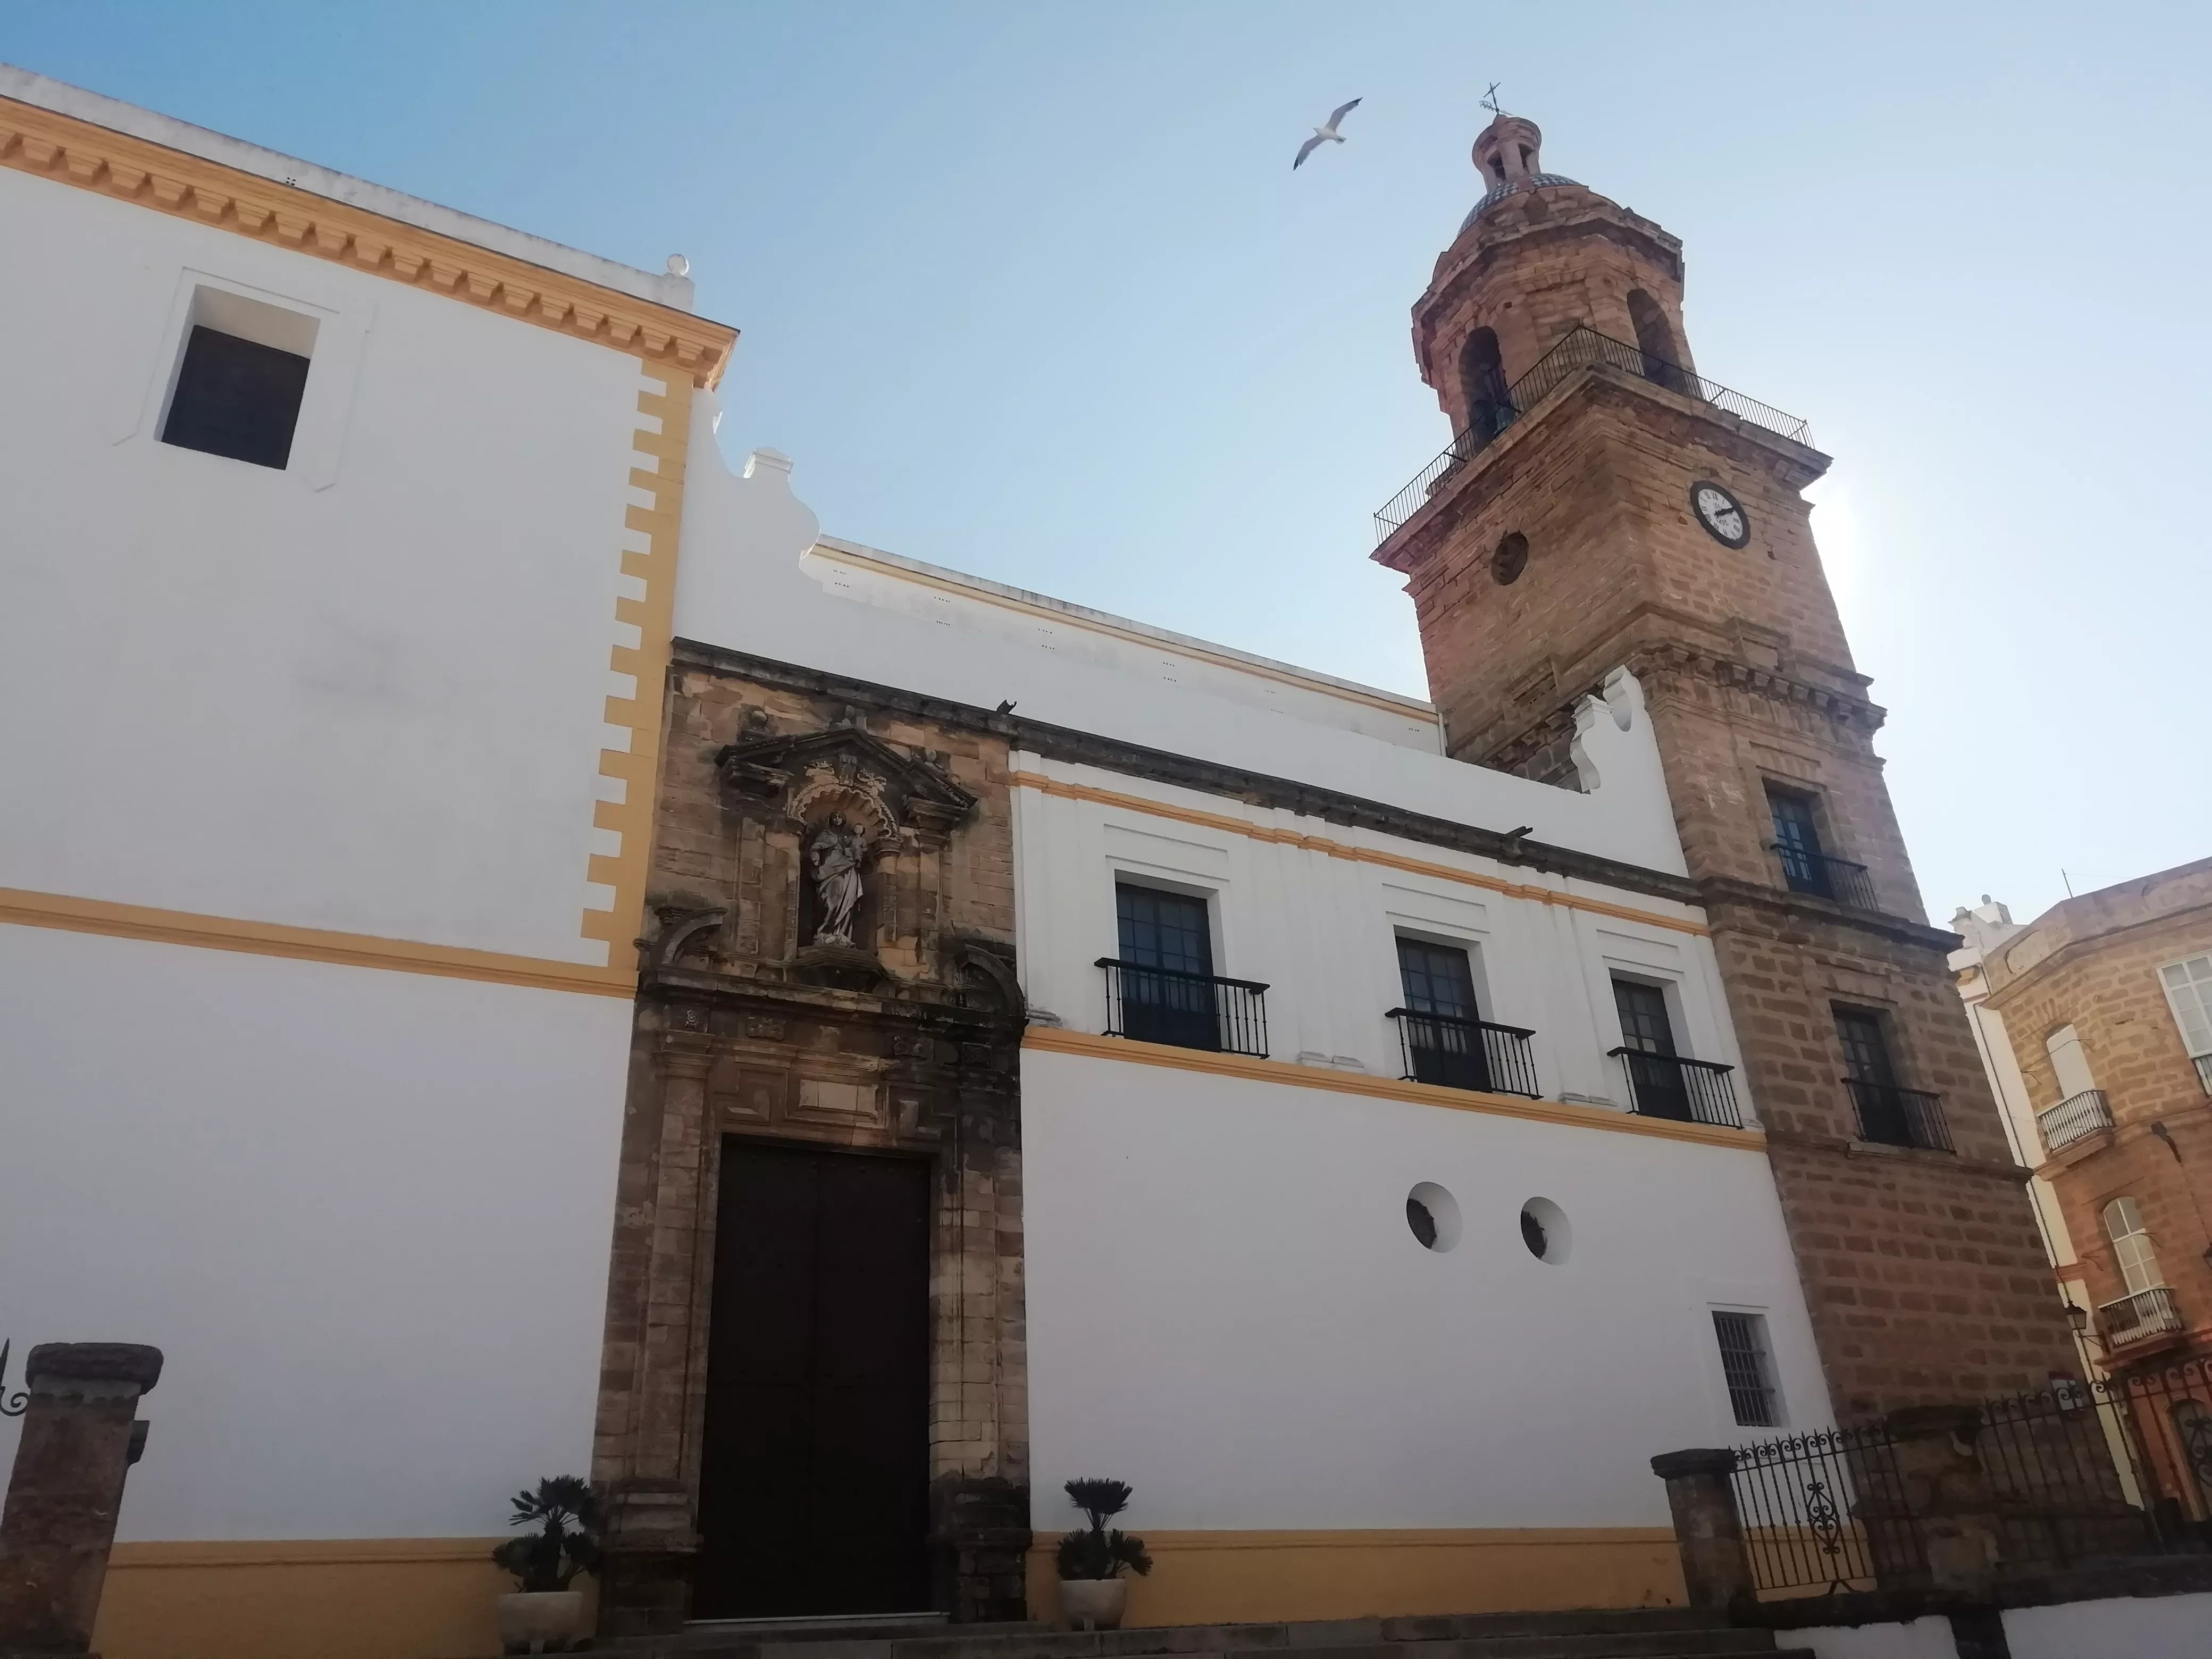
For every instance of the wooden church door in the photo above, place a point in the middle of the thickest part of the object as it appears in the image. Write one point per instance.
(814, 1481)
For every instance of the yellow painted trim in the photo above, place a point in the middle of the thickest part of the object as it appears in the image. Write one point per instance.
(1407, 709)
(269, 938)
(1337, 849)
(1226, 1578)
(639, 766)
(348, 1598)
(1047, 1039)
(71, 152)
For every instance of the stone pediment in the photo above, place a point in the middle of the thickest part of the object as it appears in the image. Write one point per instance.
(914, 795)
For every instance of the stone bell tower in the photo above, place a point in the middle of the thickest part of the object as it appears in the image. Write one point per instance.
(1601, 504)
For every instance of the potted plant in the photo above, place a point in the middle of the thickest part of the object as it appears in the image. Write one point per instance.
(544, 1614)
(1093, 1594)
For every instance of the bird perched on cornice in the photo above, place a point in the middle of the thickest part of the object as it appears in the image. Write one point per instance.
(1324, 134)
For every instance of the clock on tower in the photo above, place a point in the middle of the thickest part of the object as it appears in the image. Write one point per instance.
(1600, 503)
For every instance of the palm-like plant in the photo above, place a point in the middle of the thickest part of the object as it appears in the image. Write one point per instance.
(1102, 1552)
(566, 1511)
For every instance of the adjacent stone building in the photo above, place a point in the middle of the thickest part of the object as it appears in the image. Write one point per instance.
(2100, 1013)
(1602, 505)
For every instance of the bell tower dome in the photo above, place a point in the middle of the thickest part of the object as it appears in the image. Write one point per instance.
(1539, 255)
(1602, 504)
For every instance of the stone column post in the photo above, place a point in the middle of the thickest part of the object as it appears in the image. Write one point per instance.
(79, 1440)
(1708, 1530)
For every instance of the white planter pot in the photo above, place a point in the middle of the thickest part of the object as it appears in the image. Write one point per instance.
(1093, 1603)
(540, 1621)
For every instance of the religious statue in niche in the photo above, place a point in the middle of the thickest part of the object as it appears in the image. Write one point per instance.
(835, 855)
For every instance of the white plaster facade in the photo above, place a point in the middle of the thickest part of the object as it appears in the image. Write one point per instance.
(250, 717)
(1227, 1306)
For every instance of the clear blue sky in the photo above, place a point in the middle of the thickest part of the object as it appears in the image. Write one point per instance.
(1030, 290)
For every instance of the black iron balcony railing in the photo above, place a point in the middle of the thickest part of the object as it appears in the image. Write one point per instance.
(1467, 1054)
(1687, 1091)
(2074, 1117)
(2139, 1317)
(2204, 1070)
(1580, 348)
(1188, 1011)
(1900, 1117)
(1824, 878)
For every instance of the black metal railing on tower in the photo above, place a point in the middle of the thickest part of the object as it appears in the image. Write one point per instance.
(1816, 873)
(1687, 1091)
(1900, 1117)
(1581, 347)
(1186, 1010)
(1467, 1054)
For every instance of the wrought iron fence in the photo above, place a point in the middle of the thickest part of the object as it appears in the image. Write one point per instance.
(2081, 1470)
(1467, 1054)
(1688, 1091)
(1580, 348)
(2074, 1117)
(1900, 1117)
(1806, 871)
(15, 1404)
(1188, 1011)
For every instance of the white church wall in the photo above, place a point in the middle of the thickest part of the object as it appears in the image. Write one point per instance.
(1320, 929)
(1227, 1308)
(364, 692)
(749, 584)
(364, 1214)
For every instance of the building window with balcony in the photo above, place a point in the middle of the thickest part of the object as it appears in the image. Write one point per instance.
(1749, 1368)
(1806, 865)
(2082, 1109)
(1888, 1114)
(1663, 1083)
(1441, 1030)
(2147, 1308)
(2188, 992)
(1162, 988)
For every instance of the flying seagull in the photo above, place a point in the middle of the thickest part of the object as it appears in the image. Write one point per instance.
(1325, 134)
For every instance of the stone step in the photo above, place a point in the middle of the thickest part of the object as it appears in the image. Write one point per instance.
(1658, 1633)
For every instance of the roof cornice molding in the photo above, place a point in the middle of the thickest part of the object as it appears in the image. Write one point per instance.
(68, 151)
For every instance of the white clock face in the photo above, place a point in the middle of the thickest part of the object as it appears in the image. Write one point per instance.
(1720, 514)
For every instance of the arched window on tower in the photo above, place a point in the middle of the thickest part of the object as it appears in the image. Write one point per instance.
(1482, 377)
(1655, 340)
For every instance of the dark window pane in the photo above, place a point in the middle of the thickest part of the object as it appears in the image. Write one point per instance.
(1797, 843)
(1164, 930)
(1866, 1055)
(237, 398)
(1743, 1361)
(1643, 1022)
(1437, 980)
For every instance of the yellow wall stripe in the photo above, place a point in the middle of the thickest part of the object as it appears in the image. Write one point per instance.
(269, 938)
(1337, 849)
(1047, 1039)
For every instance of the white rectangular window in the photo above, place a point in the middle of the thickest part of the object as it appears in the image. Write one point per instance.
(2189, 988)
(2068, 1062)
(1748, 1367)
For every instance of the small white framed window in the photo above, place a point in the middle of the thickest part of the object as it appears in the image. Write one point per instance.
(239, 379)
(1748, 1366)
(2067, 1063)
